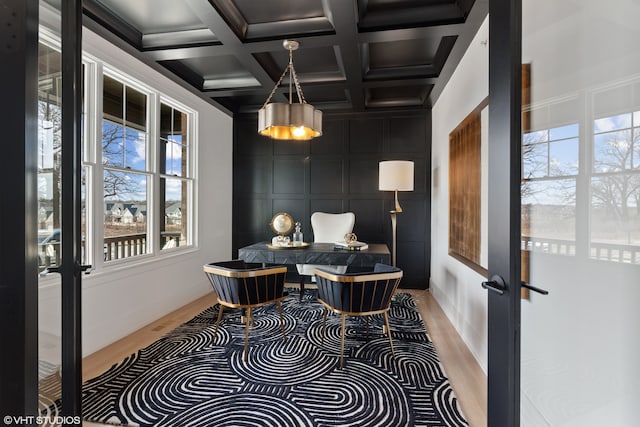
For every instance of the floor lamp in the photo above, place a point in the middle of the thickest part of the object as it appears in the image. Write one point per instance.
(395, 175)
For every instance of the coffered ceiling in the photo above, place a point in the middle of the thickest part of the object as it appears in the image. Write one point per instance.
(355, 55)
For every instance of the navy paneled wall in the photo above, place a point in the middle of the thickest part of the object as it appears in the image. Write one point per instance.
(337, 172)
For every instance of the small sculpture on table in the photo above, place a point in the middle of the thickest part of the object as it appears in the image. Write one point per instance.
(351, 243)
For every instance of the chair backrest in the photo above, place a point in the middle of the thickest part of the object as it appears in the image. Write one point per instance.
(329, 228)
(369, 291)
(238, 284)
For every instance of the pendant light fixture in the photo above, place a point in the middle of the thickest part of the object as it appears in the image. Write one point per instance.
(293, 121)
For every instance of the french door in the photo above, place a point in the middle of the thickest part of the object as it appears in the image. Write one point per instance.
(40, 322)
(564, 197)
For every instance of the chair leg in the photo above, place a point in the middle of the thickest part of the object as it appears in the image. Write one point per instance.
(284, 335)
(324, 323)
(220, 310)
(386, 322)
(301, 286)
(246, 335)
(344, 316)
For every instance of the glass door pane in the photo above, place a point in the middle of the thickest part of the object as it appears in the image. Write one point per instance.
(581, 213)
(49, 225)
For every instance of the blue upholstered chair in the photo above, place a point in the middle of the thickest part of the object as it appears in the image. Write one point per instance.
(358, 294)
(239, 286)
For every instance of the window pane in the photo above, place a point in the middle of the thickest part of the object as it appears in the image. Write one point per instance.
(535, 160)
(548, 216)
(125, 214)
(112, 98)
(173, 141)
(123, 147)
(136, 109)
(563, 157)
(622, 121)
(112, 144)
(175, 158)
(83, 215)
(636, 149)
(179, 125)
(564, 132)
(535, 137)
(615, 218)
(49, 156)
(174, 202)
(136, 149)
(612, 151)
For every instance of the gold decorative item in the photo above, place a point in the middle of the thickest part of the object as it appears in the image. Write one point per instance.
(350, 238)
(299, 121)
(282, 224)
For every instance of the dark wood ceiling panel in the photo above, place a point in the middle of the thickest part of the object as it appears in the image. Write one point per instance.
(154, 16)
(257, 12)
(354, 55)
(402, 53)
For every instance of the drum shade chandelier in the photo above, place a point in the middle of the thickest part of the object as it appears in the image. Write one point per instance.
(293, 121)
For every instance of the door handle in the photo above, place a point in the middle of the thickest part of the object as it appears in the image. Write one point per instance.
(86, 268)
(534, 289)
(496, 284)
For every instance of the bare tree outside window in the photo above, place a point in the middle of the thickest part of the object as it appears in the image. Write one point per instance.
(615, 186)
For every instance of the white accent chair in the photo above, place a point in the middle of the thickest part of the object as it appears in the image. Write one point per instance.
(327, 228)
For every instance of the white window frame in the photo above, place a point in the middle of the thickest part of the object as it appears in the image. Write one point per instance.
(95, 69)
(154, 100)
(190, 176)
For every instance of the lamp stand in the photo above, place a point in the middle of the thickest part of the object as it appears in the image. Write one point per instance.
(393, 213)
(393, 236)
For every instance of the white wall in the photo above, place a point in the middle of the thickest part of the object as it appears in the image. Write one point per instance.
(119, 300)
(455, 286)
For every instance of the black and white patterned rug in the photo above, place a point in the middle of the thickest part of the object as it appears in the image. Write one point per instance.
(192, 378)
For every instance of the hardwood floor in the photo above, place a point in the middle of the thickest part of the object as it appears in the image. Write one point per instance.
(467, 378)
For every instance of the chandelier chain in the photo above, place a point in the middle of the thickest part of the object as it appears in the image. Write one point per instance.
(298, 88)
(275, 87)
(293, 74)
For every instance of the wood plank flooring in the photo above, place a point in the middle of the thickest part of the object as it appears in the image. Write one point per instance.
(467, 378)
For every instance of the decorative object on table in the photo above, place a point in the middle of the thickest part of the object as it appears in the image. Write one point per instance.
(350, 237)
(293, 121)
(359, 294)
(395, 175)
(239, 286)
(351, 243)
(327, 228)
(297, 383)
(298, 239)
(281, 224)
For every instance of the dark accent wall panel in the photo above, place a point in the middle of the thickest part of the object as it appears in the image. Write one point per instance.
(333, 139)
(338, 172)
(365, 135)
(326, 176)
(288, 175)
(370, 219)
(363, 175)
(254, 176)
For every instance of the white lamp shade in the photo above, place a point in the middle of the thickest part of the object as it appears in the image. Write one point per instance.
(396, 175)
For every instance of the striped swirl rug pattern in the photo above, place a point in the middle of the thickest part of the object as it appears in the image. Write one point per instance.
(191, 377)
